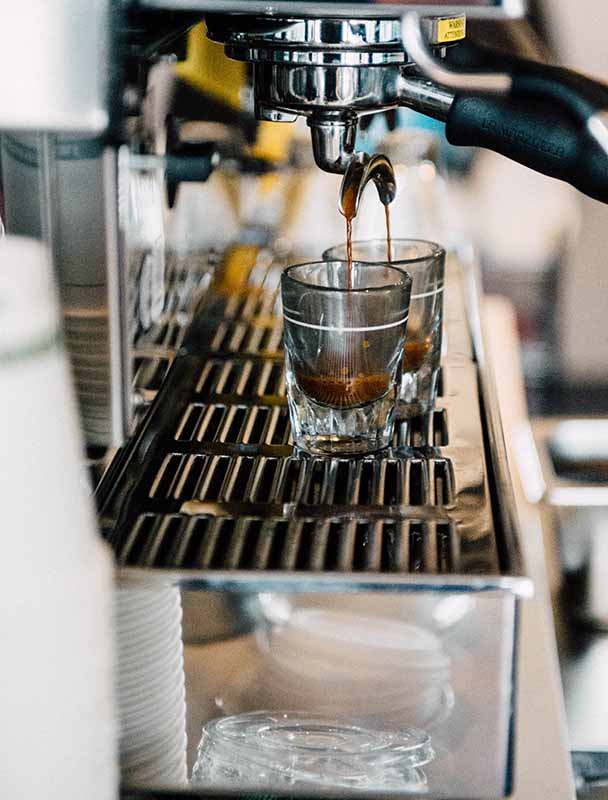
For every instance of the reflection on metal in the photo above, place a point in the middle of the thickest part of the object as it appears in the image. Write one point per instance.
(425, 97)
(380, 662)
(354, 42)
(211, 490)
(333, 142)
(273, 750)
(347, 648)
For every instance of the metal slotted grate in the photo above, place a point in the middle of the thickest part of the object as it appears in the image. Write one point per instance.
(261, 335)
(314, 482)
(262, 543)
(212, 487)
(233, 422)
(156, 347)
(243, 377)
(187, 279)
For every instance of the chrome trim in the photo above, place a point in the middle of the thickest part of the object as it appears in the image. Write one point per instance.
(500, 477)
(118, 313)
(415, 44)
(502, 9)
(333, 141)
(425, 97)
(47, 176)
(328, 57)
(333, 34)
(305, 89)
(255, 582)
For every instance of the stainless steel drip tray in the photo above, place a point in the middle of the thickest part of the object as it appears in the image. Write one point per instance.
(379, 591)
(211, 491)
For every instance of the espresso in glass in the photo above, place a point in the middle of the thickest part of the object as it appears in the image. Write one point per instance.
(425, 263)
(344, 353)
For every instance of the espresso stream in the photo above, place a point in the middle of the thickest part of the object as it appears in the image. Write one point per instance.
(387, 217)
(349, 209)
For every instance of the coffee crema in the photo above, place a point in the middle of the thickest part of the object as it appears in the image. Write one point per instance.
(344, 392)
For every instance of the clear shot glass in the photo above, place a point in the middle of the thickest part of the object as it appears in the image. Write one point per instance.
(425, 263)
(343, 353)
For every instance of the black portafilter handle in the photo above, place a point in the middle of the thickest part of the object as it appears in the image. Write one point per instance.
(541, 124)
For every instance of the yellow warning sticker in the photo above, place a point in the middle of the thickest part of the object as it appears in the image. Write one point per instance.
(451, 29)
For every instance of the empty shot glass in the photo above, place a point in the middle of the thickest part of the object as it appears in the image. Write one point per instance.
(425, 263)
(343, 353)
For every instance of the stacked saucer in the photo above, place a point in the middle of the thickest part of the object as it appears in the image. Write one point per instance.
(150, 686)
(370, 670)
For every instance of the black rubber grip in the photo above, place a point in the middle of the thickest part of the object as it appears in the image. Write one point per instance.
(582, 94)
(536, 133)
(191, 168)
(191, 162)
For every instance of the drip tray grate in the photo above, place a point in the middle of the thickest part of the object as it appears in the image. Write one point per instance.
(268, 424)
(389, 481)
(212, 489)
(278, 543)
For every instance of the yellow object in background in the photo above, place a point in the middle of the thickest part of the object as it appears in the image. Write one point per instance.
(452, 29)
(208, 70)
(232, 276)
(273, 141)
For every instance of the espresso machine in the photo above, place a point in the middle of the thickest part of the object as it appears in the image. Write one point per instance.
(121, 93)
(180, 377)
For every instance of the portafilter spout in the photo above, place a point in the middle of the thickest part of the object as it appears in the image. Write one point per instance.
(333, 141)
(362, 169)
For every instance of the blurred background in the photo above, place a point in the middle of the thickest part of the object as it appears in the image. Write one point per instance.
(543, 244)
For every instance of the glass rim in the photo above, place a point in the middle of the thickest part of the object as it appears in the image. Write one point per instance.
(437, 251)
(405, 283)
(409, 745)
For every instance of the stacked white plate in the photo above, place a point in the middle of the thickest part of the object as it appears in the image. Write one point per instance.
(150, 686)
